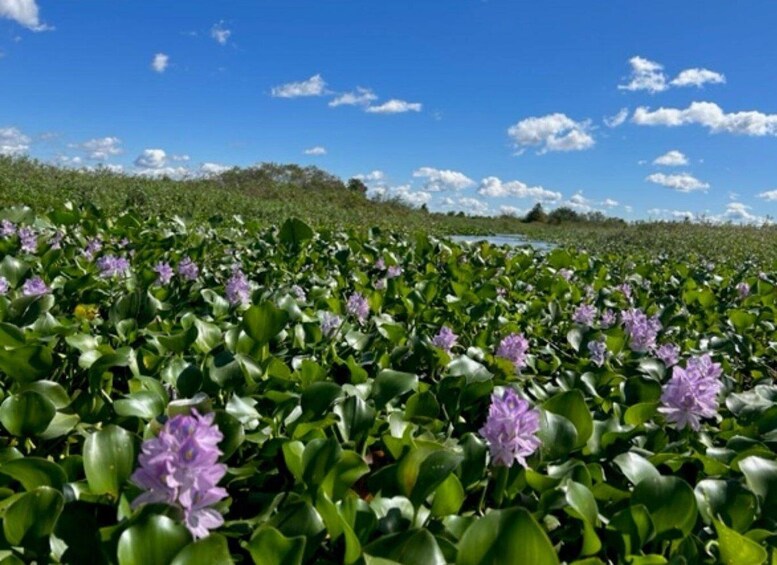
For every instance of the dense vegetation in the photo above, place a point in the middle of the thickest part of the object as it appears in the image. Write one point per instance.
(353, 389)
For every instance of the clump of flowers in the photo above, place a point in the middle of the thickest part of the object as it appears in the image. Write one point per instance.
(566, 274)
(93, 247)
(642, 329)
(608, 319)
(380, 284)
(7, 228)
(188, 269)
(394, 271)
(445, 339)
(164, 273)
(511, 429)
(513, 348)
(56, 240)
(584, 314)
(743, 289)
(625, 289)
(299, 292)
(28, 239)
(329, 323)
(180, 467)
(4, 286)
(598, 351)
(692, 393)
(111, 266)
(668, 353)
(357, 306)
(35, 287)
(238, 288)
(380, 264)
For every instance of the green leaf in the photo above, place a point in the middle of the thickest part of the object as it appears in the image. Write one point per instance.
(636, 527)
(356, 418)
(317, 398)
(109, 458)
(33, 472)
(506, 536)
(728, 500)
(571, 404)
(13, 269)
(671, 503)
(212, 550)
(27, 413)
(742, 320)
(264, 321)
(434, 469)
(448, 497)
(635, 467)
(26, 363)
(389, 384)
(736, 549)
(761, 477)
(558, 435)
(155, 541)
(32, 515)
(463, 366)
(295, 232)
(271, 547)
(143, 404)
(408, 548)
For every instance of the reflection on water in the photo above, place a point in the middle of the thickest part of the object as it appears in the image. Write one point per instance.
(504, 239)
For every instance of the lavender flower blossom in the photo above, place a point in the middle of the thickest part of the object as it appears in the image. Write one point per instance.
(393, 272)
(380, 264)
(380, 284)
(180, 467)
(598, 351)
(445, 339)
(56, 240)
(164, 272)
(511, 429)
(329, 323)
(238, 288)
(641, 329)
(28, 239)
(585, 314)
(357, 306)
(668, 353)
(93, 247)
(514, 348)
(625, 289)
(608, 319)
(4, 286)
(299, 292)
(111, 266)
(188, 269)
(743, 289)
(565, 273)
(692, 393)
(7, 228)
(35, 287)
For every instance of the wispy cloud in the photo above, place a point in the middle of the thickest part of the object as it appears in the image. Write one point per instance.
(395, 106)
(681, 182)
(314, 86)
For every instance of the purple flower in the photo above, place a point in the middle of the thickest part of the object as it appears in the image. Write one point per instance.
(123, 242)
(501, 292)
(329, 323)
(394, 271)
(299, 292)
(668, 353)
(188, 269)
(641, 329)
(56, 240)
(35, 287)
(93, 247)
(380, 284)
(238, 288)
(585, 314)
(111, 266)
(692, 393)
(625, 288)
(164, 272)
(511, 429)
(7, 228)
(29, 240)
(180, 467)
(4, 286)
(608, 319)
(357, 306)
(598, 351)
(445, 339)
(565, 273)
(743, 289)
(380, 264)
(514, 348)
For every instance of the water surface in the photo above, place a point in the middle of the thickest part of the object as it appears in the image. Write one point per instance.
(505, 239)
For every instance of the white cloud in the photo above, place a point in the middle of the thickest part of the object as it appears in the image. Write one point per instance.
(360, 97)
(183, 157)
(768, 195)
(673, 158)
(494, 186)
(314, 86)
(511, 211)
(414, 198)
(208, 169)
(220, 34)
(443, 179)
(152, 159)
(172, 172)
(610, 203)
(645, 75)
(102, 148)
(13, 141)
(160, 62)
(739, 211)
(711, 116)
(554, 132)
(682, 182)
(698, 78)
(617, 119)
(663, 213)
(578, 202)
(395, 106)
(23, 12)
(372, 177)
(473, 206)
(317, 150)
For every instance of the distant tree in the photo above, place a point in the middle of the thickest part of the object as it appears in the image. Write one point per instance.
(536, 214)
(563, 215)
(424, 208)
(356, 185)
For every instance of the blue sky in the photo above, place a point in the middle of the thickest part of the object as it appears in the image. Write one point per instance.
(485, 106)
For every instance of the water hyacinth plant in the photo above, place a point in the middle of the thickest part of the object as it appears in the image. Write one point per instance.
(511, 429)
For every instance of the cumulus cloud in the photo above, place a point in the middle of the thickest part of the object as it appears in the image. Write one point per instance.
(554, 132)
(317, 150)
(711, 116)
(511, 211)
(314, 86)
(359, 97)
(182, 157)
(101, 148)
(412, 197)
(681, 182)
(160, 62)
(220, 34)
(151, 159)
(13, 141)
(171, 172)
(617, 119)
(494, 186)
(23, 12)
(443, 179)
(395, 106)
(698, 78)
(209, 169)
(645, 75)
(673, 158)
(667, 214)
(768, 195)
(610, 203)
(473, 206)
(375, 176)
